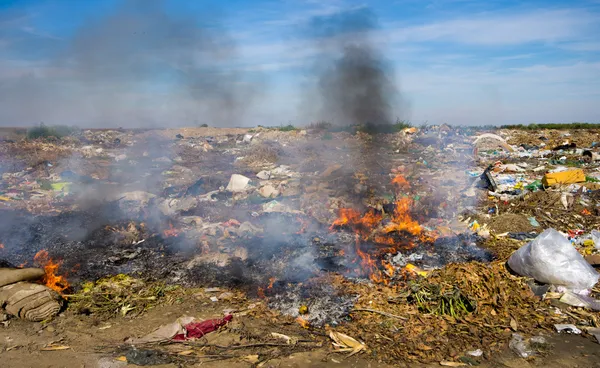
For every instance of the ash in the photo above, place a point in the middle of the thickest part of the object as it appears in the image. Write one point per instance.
(459, 249)
(325, 304)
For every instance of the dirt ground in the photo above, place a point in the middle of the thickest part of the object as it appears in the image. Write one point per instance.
(93, 343)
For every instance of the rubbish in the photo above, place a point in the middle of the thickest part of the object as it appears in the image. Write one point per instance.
(577, 300)
(31, 302)
(343, 342)
(564, 177)
(164, 332)
(566, 146)
(62, 186)
(196, 330)
(550, 258)
(567, 328)
(288, 340)
(538, 341)
(268, 191)
(511, 168)
(475, 353)
(198, 188)
(533, 222)
(520, 346)
(495, 137)
(12, 275)
(172, 206)
(536, 185)
(264, 175)
(596, 238)
(567, 200)
(238, 183)
(488, 180)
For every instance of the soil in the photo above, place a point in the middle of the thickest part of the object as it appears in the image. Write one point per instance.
(95, 343)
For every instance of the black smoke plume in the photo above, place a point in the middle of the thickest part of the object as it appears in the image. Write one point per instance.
(356, 85)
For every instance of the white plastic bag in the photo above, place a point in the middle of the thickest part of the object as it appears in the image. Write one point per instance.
(550, 258)
(596, 238)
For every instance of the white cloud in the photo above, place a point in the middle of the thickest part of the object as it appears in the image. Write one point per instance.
(502, 29)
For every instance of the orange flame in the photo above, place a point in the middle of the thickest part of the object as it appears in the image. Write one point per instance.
(369, 226)
(400, 182)
(51, 279)
(171, 231)
(271, 282)
(401, 219)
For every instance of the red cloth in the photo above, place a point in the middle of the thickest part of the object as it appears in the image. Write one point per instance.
(195, 330)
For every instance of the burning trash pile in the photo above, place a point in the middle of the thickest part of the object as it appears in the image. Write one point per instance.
(406, 258)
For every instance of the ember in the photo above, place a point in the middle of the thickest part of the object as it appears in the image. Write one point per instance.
(271, 282)
(51, 278)
(171, 231)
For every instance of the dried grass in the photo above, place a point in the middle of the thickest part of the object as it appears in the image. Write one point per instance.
(261, 154)
(121, 295)
(494, 303)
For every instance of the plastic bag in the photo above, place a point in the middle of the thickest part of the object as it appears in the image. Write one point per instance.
(550, 258)
(596, 238)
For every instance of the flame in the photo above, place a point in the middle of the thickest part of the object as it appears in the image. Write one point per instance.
(400, 182)
(362, 225)
(271, 282)
(369, 226)
(1, 246)
(171, 231)
(401, 219)
(51, 279)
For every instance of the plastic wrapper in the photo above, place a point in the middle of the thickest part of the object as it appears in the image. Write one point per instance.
(550, 258)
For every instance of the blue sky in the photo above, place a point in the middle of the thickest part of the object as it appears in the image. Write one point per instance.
(455, 61)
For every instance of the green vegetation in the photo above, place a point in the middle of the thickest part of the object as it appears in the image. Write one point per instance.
(591, 179)
(327, 136)
(204, 126)
(287, 128)
(45, 131)
(574, 125)
(401, 124)
(440, 300)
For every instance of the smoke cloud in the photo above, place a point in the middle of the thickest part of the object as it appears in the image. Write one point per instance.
(139, 65)
(356, 85)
